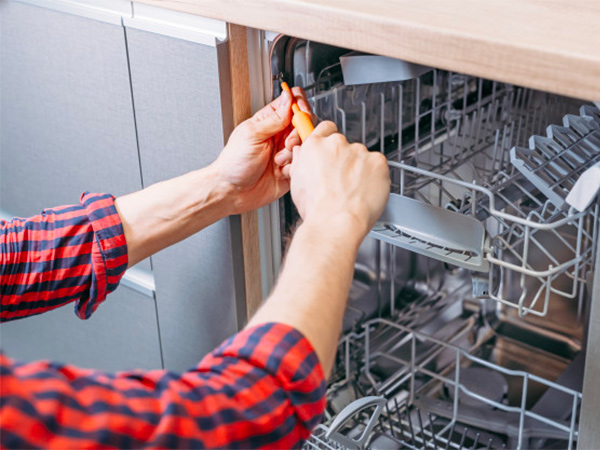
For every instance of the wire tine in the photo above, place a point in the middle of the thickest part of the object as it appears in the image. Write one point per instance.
(412, 430)
(489, 445)
(432, 431)
(399, 414)
(381, 425)
(421, 427)
(390, 419)
(450, 436)
(462, 440)
(476, 441)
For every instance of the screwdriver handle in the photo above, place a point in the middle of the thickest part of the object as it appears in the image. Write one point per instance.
(300, 120)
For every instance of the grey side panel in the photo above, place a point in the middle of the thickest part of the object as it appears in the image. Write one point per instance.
(176, 92)
(121, 335)
(589, 431)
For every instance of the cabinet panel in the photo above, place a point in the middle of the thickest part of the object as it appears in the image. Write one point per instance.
(67, 115)
(176, 89)
(122, 334)
(67, 126)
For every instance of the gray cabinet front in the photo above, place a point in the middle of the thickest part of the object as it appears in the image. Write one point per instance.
(179, 113)
(67, 125)
(121, 335)
(67, 117)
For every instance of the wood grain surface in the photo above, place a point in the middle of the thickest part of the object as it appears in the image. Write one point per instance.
(553, 45)
(241, 108)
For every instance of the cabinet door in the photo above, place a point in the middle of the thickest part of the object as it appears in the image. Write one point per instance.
(177, 88)
(67, 115)
(122, 334)
(67, 126)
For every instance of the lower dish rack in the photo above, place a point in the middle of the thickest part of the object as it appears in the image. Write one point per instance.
(417, 391)
(396, 428)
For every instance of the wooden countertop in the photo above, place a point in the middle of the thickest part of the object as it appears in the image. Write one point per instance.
(553, 45)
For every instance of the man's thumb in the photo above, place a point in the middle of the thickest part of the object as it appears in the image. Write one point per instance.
(274, 117)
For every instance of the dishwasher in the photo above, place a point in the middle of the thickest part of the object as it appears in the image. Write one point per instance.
(466, 321)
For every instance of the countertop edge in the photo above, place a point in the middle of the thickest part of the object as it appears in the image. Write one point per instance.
(566, 70)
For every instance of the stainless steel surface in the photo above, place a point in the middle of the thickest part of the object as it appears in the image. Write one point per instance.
(452, 134)
(268, 216)
(497, 335)
(590, 431)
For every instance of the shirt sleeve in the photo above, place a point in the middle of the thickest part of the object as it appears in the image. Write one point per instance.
(70, 253)
(264, 387)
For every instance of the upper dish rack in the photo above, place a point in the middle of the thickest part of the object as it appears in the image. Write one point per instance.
(454, 144)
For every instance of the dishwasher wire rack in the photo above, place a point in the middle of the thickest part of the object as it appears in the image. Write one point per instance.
(448, 138)
(396, 428)
(413, 117)
(554, 163)
(402, 411)
(549, 249)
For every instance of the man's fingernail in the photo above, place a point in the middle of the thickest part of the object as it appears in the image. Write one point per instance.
(286, 98)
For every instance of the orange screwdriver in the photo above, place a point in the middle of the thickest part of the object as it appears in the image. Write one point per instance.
(300, 120)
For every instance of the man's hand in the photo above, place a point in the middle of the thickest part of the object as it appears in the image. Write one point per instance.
(251, 162)
(333, 181)
(340, 190)
(247, 175)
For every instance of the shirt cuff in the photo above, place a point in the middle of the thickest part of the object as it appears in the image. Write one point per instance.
(289, 357)
(109, 252)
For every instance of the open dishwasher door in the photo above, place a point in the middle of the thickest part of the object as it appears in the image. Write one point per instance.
(450, 340)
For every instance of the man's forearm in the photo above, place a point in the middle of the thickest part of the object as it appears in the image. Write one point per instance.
(307, 299)
(168, 212)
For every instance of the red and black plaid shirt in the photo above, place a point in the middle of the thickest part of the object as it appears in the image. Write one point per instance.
(263, 387)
